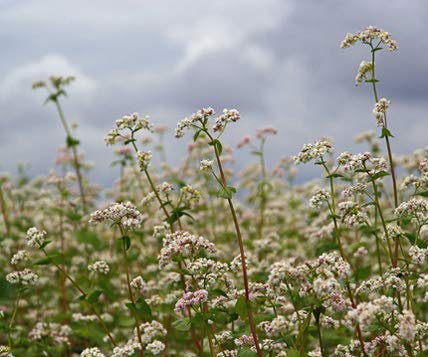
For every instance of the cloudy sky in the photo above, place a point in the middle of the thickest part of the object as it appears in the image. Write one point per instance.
(277, 61)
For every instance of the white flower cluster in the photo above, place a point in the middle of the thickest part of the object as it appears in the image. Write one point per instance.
(100, 267)
(132, 122)
(124, 213)
(151, 330)
(278, 325)
(417, 254)
(244, 340)
(313, 151)
(207, 272)
(183, 244)
(58, 333)
(155, 347)
(138, 283)
(380, 109)
(35, 237)
(80, 317)
(128, 349)
(262, 133)
(5, 351)
(206, 165)
(91, 352)
(367, 36)
(229, 115)
(361, 162)
(406, 325)
(359, 189)
(415, 207)
(190, 194)
(191, 298)
(365, 67)
(24, 277)
(144, 158)
(20, 256)
(352, 213)
(187, 122)
(320, 198)
(415, 181)
(367, 312)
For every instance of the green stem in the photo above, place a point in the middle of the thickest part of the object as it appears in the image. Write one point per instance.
(242, 252)
(12, 319)
(80, 289)
(4, 211)
(131, 295)
(75, 156)
(320, 337)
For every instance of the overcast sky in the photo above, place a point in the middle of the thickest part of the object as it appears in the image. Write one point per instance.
(277, 61)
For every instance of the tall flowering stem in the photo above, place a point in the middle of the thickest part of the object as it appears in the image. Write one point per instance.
(199, 121)
(4, 210)
(385, 133)
(375, 38)
(133, 123)
(128, 283)
(58, 83)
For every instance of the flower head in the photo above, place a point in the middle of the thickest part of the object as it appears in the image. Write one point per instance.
(368, 36)
(35, 237)
(124, 213)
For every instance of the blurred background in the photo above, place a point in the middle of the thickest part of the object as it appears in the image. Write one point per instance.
(277, 61)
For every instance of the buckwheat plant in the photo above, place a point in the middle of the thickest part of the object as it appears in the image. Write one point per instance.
(199, 122)
(55, 87)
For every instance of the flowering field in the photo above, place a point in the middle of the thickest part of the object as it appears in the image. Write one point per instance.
(197, 260)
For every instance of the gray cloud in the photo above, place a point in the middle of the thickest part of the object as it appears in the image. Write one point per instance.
(277, 61)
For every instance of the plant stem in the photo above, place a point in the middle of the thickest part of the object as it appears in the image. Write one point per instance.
(388, 147)
(320, 336)
(242, 252)
(12, 319)
(75, 156)
(4, 211)
(80, 289)
(131, 295)
(198, 345)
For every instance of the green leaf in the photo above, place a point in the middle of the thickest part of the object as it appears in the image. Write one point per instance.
(378, 175)
(93, 296)
(247, 353)
(386, 133)
(373, 80)
(176, 213)
(196, 136)
(71, 141)
(182, 324)
(45, 244)
(241, 307)
(334, 175)
(293, 353)
(46, 261)
(226, 192)
(87, 237)
(217, 292)
(141, 309)
(257, 153)
(217, 146)
(423, 194)
(126, 242)
(362, 273)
